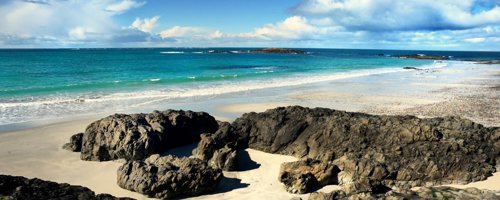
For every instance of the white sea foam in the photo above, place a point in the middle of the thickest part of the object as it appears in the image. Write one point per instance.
(171, 52)
(265, 67)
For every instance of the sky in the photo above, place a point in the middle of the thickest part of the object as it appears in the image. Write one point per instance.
(359, 24)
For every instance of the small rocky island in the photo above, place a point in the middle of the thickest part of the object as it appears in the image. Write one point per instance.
(370, 156)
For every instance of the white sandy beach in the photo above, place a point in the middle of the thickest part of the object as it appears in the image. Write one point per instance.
(36, 152)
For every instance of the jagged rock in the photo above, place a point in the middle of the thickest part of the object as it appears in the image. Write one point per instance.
(168, 177)
(137, 136)
(401, 151)
(426, 193)
(354, 169)
(224, 159)
(75, 143)
(220, 148)
(17, 187)
(298, 183)
(302, 176)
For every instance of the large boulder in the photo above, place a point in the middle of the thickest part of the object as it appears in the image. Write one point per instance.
(397, 150)
(17, 187)
(302, 176)
(169, 177)
(137, 136)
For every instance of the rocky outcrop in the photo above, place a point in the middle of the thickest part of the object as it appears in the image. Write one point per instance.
(426, 193)
(16, 187)
(75, 143)
(302, 176)
(137, 136)
(219, 149)
(168, 177)
(403, 151)
(489, 62)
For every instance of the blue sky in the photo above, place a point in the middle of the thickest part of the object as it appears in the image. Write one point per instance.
(387, 24)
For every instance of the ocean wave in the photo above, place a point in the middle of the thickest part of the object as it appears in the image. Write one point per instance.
(172, 52)
(258, 67)
(214, 88)
(38, 108)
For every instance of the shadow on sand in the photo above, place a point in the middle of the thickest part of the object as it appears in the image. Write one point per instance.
(245, 163)
(227, 184)
(182, 151)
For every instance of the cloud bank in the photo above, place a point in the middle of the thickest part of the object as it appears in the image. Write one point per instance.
(422, 24)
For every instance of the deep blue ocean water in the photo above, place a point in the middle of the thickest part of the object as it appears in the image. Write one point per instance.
(38, 83)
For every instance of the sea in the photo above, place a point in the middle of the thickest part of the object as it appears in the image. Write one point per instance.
(56, 83)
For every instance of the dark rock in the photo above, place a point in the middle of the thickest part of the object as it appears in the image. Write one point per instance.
(427, 193)
(298, 183)
(414, 68)
(224, 159)
(302, 176)
(169, 177)
(75, 143)
(17, 187)
(489, 62)
(401, 151)
(137, 136)
(220, 148)
(278, 50)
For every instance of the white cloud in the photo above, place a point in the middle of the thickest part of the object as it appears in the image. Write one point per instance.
(475, 40)
(51, 23)
(146, 25)
(294, 27)
(183, 31)
(78, 33)
(387, 15)
(123, 6)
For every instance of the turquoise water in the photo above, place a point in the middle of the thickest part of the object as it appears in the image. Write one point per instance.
(41, 83)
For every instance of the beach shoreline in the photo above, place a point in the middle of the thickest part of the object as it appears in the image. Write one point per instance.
(34, 150)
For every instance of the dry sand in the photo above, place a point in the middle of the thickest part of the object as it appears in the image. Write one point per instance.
(251, 107)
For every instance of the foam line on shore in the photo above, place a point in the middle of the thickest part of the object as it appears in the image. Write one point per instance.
(12, 112)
